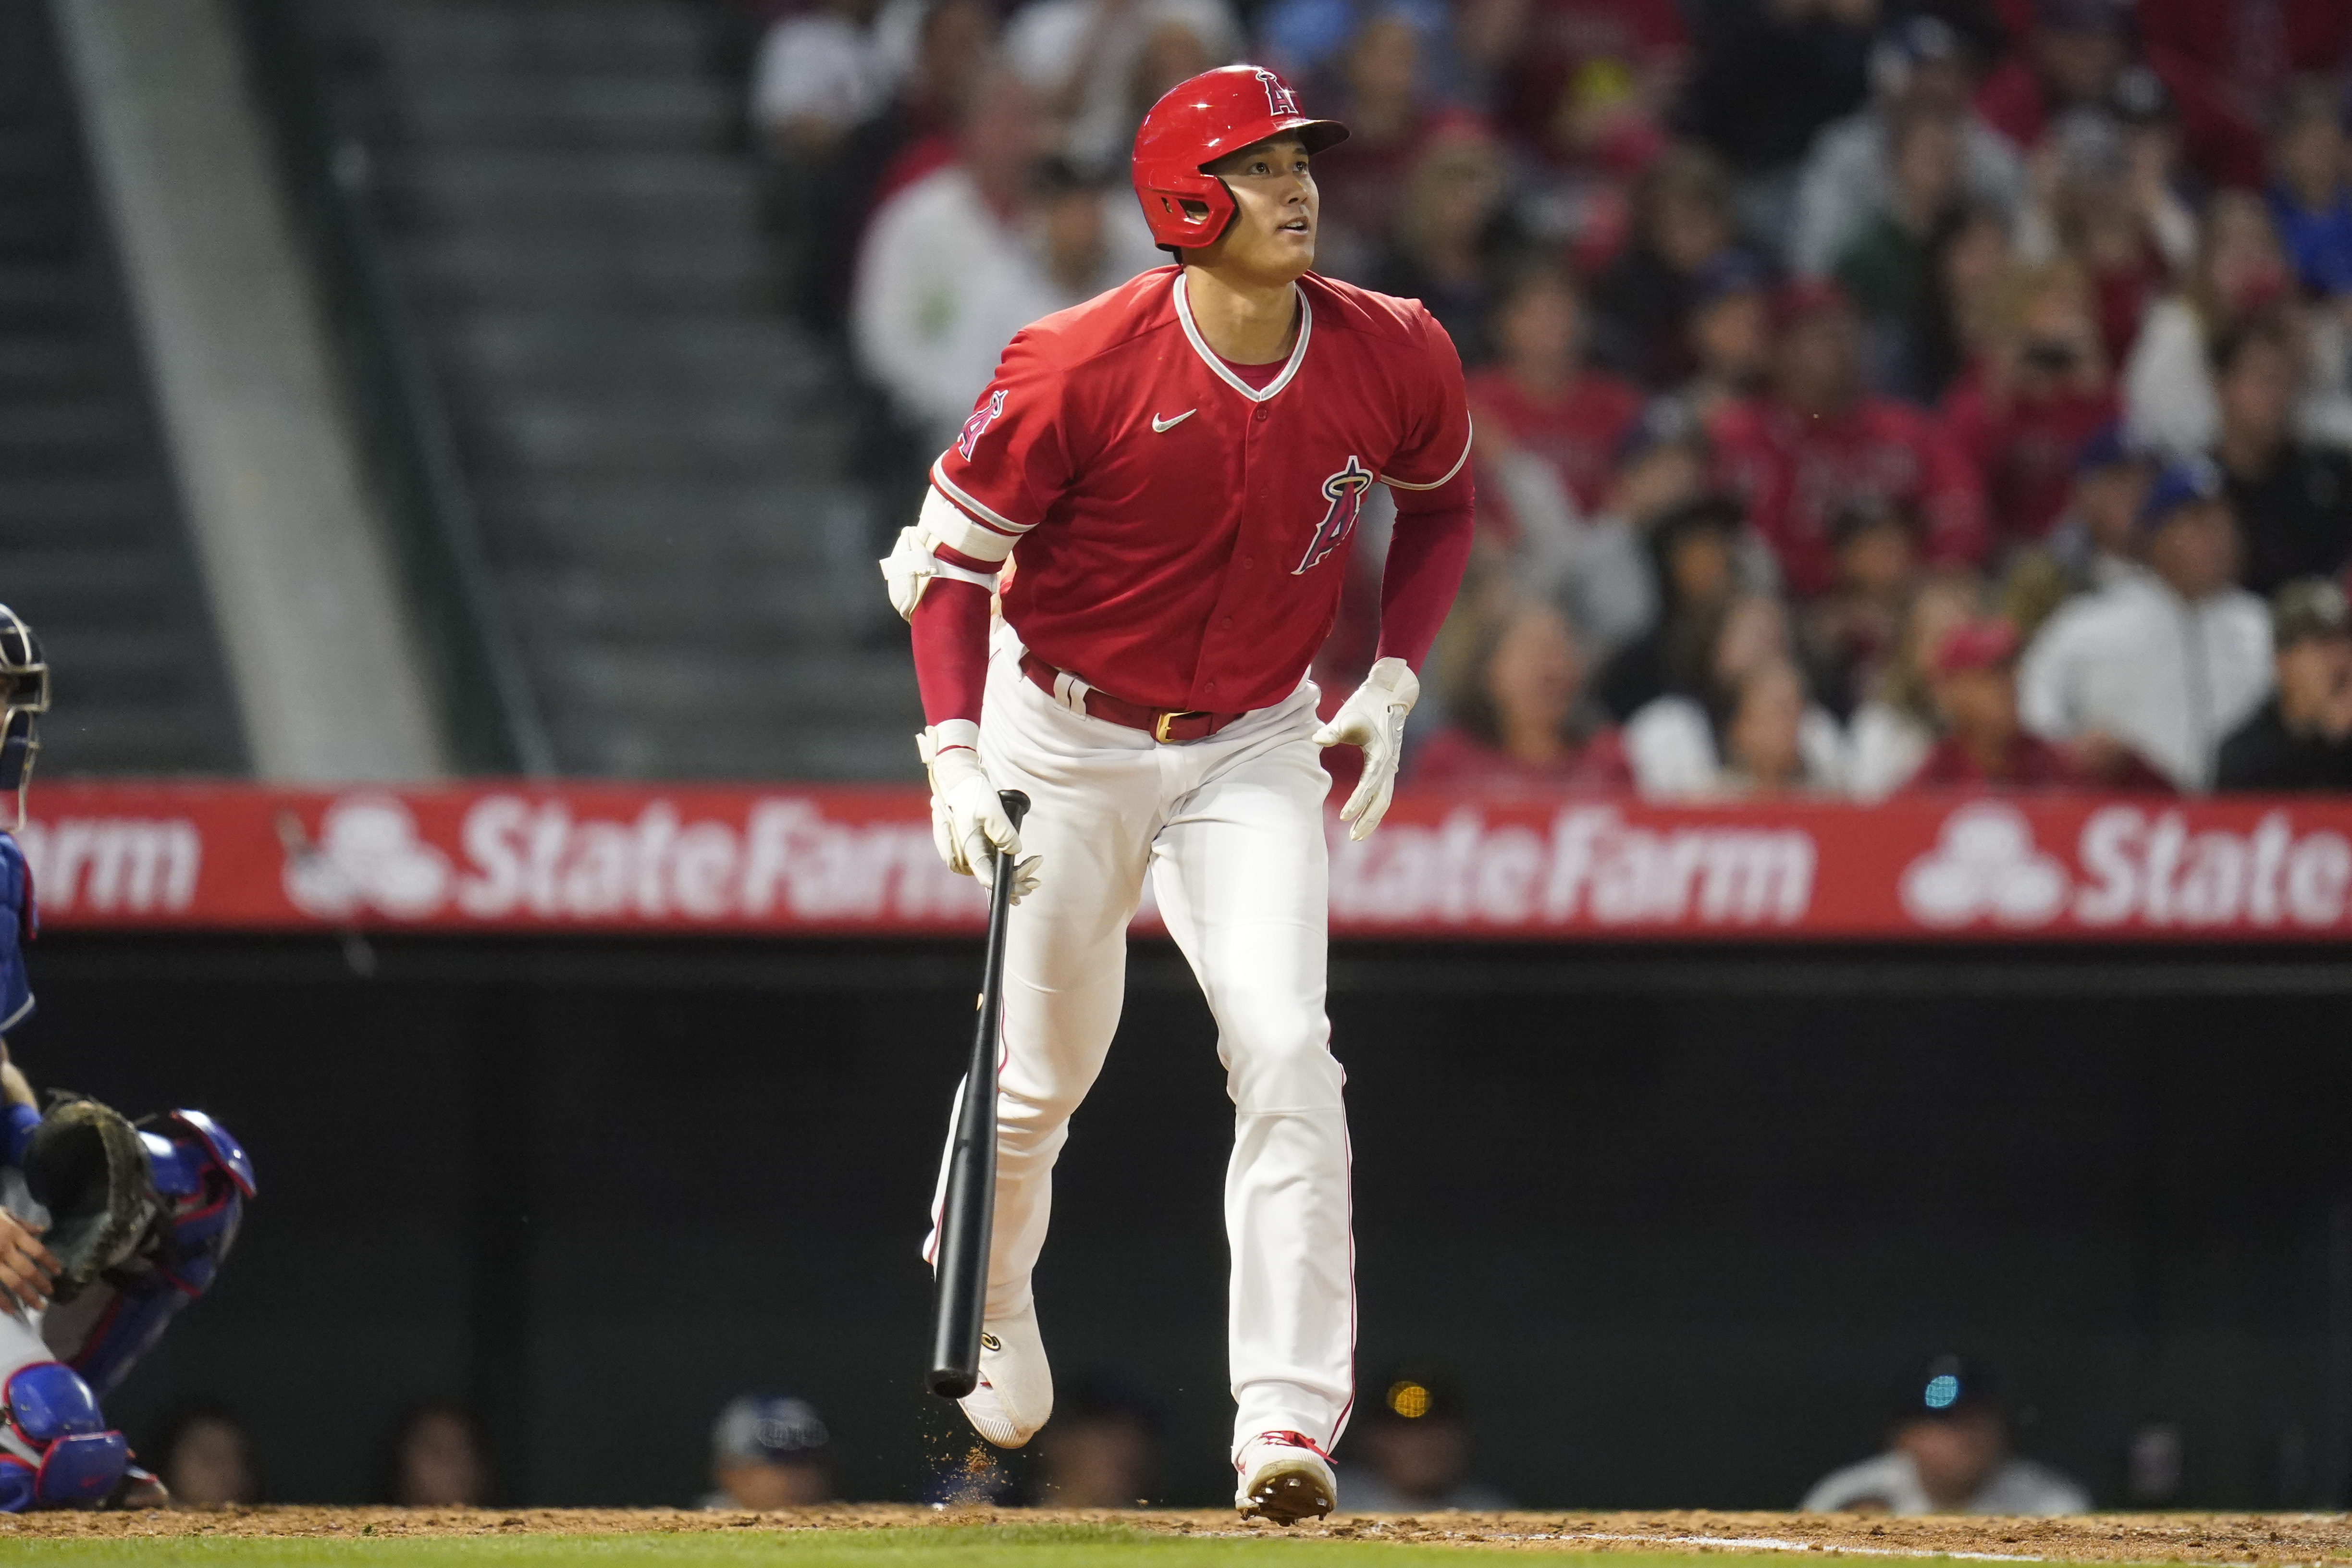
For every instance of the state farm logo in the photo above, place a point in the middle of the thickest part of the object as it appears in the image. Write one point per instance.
(113, 865)
(2132, 866)
(512, 858)
(1985, 864)
(1592, 865)
(368, 857)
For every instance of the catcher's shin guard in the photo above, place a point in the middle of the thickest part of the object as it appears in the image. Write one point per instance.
(55, 1449)
(201, 1177)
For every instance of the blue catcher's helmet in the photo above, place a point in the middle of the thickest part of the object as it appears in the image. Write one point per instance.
(24, 698)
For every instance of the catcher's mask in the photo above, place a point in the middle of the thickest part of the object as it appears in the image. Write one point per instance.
(23, 697)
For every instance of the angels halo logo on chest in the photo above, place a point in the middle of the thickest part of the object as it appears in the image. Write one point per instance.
(1345, 492)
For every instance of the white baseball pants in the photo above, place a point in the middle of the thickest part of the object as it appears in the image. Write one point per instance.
(1231, 829)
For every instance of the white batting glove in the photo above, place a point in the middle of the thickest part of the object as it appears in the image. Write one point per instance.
(968, 820)
(1373, 717)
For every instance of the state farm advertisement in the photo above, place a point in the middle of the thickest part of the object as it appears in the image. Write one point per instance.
(790, 861)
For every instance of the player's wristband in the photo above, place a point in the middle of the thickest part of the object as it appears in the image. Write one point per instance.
(15, 1132)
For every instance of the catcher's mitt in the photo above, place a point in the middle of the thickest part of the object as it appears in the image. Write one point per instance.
(85, 1165)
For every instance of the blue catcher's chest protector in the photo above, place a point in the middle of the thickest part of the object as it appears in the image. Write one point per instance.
(18, 921)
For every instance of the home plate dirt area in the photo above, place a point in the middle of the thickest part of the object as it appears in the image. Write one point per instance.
(977, 1534)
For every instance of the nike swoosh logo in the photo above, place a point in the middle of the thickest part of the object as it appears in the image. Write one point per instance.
(1161, 427)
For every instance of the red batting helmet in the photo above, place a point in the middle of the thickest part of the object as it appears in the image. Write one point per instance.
(1195, 123)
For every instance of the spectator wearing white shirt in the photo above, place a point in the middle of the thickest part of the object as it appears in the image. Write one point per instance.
(1948, 1452)
(2169, 403)
(1081, 56)
(817, 74)
(1849, 174)
(2164, 663)
(948, 274)
(948, 261)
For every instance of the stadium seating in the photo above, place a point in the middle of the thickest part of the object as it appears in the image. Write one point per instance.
(657, 454)
(93, 551)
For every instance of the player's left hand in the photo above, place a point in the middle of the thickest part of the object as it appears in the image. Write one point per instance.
(25, 1267)
(1373, 717)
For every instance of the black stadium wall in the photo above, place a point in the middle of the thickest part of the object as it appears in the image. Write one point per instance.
(1677, 1219)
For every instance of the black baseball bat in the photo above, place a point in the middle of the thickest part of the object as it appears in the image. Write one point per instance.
(968, 1213)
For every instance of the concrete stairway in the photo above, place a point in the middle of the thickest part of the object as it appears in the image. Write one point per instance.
(658, 454)
(93, 551)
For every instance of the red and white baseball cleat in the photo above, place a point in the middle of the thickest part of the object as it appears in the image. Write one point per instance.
(1284, 1477)
(1016, 1386)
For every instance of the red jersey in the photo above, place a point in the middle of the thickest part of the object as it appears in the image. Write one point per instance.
(1577, 433)
(1182, 536)
(2024, 451)
(1797, 474)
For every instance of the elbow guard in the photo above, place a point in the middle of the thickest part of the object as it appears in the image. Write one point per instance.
(914, 561)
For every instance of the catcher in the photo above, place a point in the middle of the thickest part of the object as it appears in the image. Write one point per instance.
(107, 1230)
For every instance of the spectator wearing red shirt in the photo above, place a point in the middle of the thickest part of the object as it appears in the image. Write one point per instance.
(2245, 53)
(1817, 444)
(1541, 398)
(1521, 724)
(2026, 409)
(1973, 676)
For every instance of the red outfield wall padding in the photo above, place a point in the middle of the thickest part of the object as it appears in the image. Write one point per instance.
(792, 860)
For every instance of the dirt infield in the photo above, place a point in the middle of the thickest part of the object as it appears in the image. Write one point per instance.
(2264, 1538)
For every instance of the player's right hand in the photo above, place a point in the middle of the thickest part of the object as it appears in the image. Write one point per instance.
(25, 1267)
(968, 823)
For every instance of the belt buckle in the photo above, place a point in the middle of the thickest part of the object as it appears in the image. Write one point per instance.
(1159, 726)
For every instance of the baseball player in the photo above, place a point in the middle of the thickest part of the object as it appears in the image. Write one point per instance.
(106, 1230)
(1182, 463)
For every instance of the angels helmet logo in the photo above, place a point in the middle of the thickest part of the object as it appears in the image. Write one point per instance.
(977, 426)
(1280, 101)
(1345, 490)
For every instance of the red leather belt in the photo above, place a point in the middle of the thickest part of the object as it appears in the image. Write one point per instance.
(1159, 723)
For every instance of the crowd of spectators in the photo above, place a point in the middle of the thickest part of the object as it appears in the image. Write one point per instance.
(1870, 394)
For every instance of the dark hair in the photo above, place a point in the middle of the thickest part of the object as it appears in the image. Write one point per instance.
(1056, 176)
(2268, 328)
(1865, 513)
(183, 1418)
(1714, 513)
(2306, 100)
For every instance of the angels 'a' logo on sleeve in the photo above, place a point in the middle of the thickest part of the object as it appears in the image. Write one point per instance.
(1280, 101)
(982, 418)
(1345, 490)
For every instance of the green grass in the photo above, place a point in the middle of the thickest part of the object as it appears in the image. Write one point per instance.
(1015, 1546)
